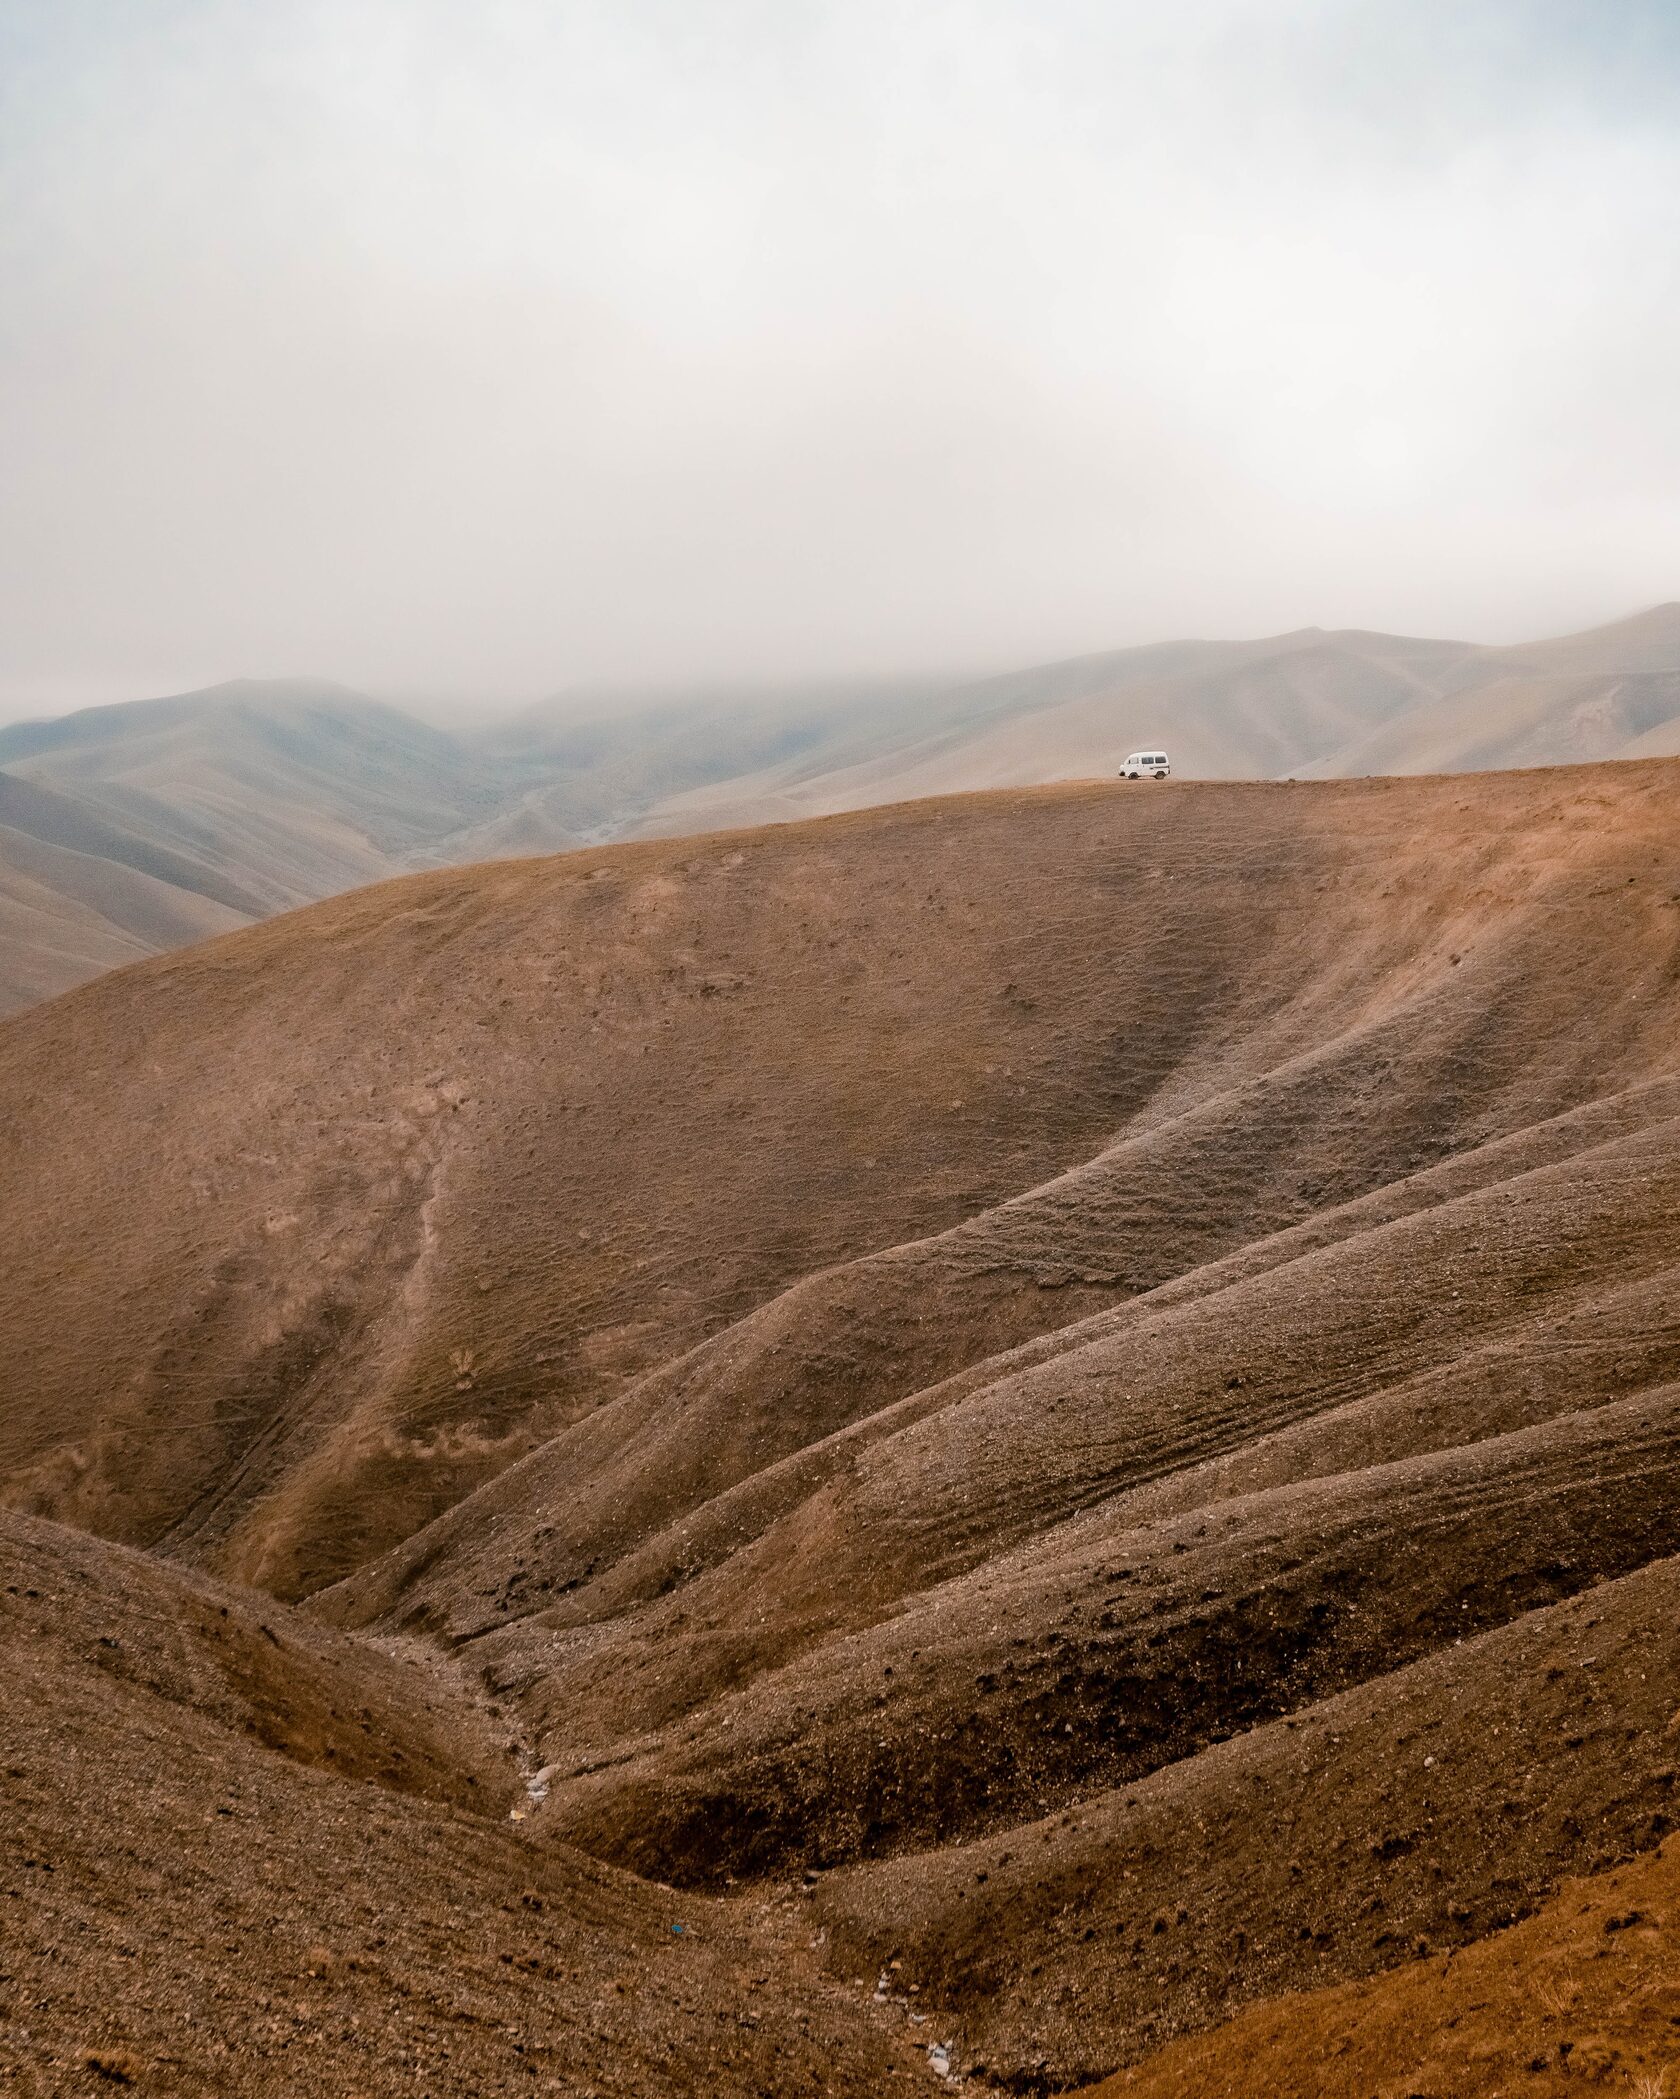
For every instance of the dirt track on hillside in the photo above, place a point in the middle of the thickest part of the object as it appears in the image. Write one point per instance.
(1087, 1377)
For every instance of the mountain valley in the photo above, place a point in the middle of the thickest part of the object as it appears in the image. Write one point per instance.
(997, 1442)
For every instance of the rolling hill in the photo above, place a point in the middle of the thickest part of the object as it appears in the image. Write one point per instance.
(127, 830)
(1050, 1418)
(258, 796)
(80, 894)
(1337, 704)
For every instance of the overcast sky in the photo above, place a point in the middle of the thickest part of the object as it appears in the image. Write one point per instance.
(485, 346)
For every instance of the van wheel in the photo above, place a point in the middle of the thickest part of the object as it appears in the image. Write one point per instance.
(1160, 776)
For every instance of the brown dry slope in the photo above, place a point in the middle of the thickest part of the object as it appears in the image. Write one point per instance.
(79, 894)
(1093, 1373)
(258, 795)
(386, 1193)
(1585, 1995)
(131, 829)
(1337, 704)
(243, 1857)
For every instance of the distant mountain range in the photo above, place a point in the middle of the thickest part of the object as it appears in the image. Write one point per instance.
(126, 830)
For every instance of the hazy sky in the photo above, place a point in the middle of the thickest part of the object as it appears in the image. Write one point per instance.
(482, 346)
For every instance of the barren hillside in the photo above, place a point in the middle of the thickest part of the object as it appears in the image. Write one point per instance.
(244, 1858)
(129, 830)
(1062, 1407)
(80, 895)
(1583, 1996)
(1338, 704)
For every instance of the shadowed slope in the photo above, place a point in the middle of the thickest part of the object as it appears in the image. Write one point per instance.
(1411, 1815)
(1106, 1650)
(1583, 1994)
(144, 1633)
(198, 1897)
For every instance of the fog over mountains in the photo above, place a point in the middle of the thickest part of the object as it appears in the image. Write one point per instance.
(127, 830)
(723, 1373)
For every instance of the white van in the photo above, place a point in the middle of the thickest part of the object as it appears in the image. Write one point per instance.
(1146, 765)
